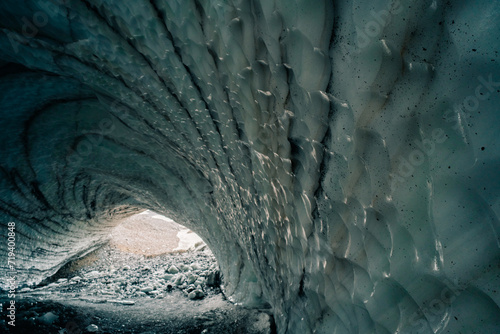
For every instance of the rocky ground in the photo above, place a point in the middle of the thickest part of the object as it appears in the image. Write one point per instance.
(113, 291)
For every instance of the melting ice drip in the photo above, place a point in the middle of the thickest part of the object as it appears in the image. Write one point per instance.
(340, 158)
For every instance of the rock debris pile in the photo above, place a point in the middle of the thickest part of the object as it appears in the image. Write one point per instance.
(119, 277)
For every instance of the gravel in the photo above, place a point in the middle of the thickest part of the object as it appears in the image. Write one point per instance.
(154, 277)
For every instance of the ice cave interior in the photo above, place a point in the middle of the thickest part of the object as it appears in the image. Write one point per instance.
(340, 158)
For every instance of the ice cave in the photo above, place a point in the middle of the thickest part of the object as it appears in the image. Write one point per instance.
(340, 158)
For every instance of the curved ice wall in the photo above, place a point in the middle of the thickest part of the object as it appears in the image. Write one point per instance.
(341, 158)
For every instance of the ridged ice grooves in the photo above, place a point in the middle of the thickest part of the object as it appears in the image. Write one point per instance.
(340, 158)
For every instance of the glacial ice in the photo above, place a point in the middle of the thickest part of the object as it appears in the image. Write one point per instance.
(340, 158)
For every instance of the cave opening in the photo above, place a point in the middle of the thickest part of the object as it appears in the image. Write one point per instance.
(152, 275)
(151, 244)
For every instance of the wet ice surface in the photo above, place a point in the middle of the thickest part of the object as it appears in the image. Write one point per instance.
(339, 174)
(122, 292)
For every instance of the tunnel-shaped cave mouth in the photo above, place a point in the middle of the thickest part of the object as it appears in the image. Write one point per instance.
(149, 249)
(138, 282)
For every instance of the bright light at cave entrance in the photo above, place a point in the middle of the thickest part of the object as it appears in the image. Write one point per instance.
(151, 234)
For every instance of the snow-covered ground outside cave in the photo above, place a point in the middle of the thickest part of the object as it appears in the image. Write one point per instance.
(154, 276)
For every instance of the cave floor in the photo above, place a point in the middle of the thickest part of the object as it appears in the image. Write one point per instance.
(174, 314)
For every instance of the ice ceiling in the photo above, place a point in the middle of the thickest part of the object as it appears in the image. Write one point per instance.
(340, 158)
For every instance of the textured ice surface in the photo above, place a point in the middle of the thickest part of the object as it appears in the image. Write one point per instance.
(340, 158)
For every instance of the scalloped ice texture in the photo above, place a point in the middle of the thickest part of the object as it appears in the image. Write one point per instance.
(340, 158)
